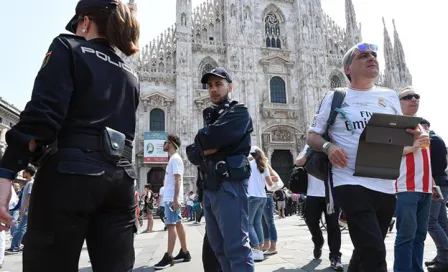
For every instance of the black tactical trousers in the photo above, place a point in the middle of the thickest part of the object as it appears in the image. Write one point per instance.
(79, 196)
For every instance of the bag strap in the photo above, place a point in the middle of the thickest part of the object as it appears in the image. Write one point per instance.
(338, 99)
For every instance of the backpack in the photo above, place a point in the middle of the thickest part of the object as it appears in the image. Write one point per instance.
(298, 180)
(317, 162)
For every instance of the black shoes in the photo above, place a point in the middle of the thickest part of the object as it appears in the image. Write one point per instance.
(336, 264)
(166, 262)
(182, 257)
(317, 252)
(438, 267)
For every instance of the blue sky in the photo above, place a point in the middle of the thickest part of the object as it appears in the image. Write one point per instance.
(28, 27)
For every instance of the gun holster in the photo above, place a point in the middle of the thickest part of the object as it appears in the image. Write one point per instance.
(112, 144)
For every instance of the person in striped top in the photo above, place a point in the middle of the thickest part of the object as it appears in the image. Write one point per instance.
(414, 194)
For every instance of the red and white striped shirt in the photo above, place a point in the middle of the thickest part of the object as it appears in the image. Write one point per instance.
(415, 172)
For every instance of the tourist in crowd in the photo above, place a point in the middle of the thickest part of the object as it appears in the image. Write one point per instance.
(368, 203)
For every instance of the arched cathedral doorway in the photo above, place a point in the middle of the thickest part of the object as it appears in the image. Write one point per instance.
(282, 162)
(155, 177)
(282, 144)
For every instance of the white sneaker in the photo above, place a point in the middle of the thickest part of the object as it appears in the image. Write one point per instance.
(258, 255)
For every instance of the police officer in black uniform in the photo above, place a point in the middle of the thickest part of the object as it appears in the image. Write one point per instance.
(220, 150)
(78, 128)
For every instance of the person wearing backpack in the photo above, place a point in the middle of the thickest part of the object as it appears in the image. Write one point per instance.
(368, 203)
(314, 207)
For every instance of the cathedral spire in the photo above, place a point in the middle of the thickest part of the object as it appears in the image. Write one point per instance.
(391, 72)
(388, 48)
(405, 76)
(353, 30)
(184, 15)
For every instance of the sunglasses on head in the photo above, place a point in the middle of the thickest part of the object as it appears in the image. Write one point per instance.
(365, 46)
(410, 96)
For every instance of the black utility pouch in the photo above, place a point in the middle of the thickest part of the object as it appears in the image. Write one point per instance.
(112, 144)
(238, 167)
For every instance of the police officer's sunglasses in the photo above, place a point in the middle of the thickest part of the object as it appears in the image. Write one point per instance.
(365, 46)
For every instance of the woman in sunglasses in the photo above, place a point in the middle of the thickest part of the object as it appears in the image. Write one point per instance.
(84, 187)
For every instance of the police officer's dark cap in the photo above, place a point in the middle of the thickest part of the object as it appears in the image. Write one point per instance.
(219, 72)
(84, 5)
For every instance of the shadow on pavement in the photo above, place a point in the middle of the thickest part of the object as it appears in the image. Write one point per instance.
(311, 267)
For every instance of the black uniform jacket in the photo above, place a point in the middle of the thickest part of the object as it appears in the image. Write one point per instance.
(82, 87)
(229, 133)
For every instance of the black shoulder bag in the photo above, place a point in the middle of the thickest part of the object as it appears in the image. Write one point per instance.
(317, 162)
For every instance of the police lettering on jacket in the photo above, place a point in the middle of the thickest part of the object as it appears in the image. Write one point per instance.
(106, 58)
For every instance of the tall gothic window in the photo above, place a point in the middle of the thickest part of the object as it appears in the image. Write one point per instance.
(207, 68)
(272, 31)
(335, 82)
(157, 120)
(278, 90)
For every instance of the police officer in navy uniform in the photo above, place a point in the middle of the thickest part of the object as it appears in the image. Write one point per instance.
(220, 150)
(78, 128)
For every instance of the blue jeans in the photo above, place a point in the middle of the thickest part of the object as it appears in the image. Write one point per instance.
(412, 225)
(227, 215)
(190, 212)
(256, 209)
(269, 229)
(15, 215)
(172, 217)
(18, 234)
(438, 226)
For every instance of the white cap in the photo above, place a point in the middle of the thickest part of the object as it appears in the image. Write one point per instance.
(254, 148)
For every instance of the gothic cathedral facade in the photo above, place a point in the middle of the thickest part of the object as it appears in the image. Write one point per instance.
(283, 56)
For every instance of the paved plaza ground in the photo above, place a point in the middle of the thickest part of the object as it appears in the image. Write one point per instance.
(294, 250)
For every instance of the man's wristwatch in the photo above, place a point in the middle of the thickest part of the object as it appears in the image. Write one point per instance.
(325, 147)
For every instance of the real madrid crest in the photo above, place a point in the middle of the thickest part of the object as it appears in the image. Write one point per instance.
(381, 102)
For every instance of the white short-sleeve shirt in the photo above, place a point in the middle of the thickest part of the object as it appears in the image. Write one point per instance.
(175, 166)
(316, 187)
(358, 107)
(257, 181)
